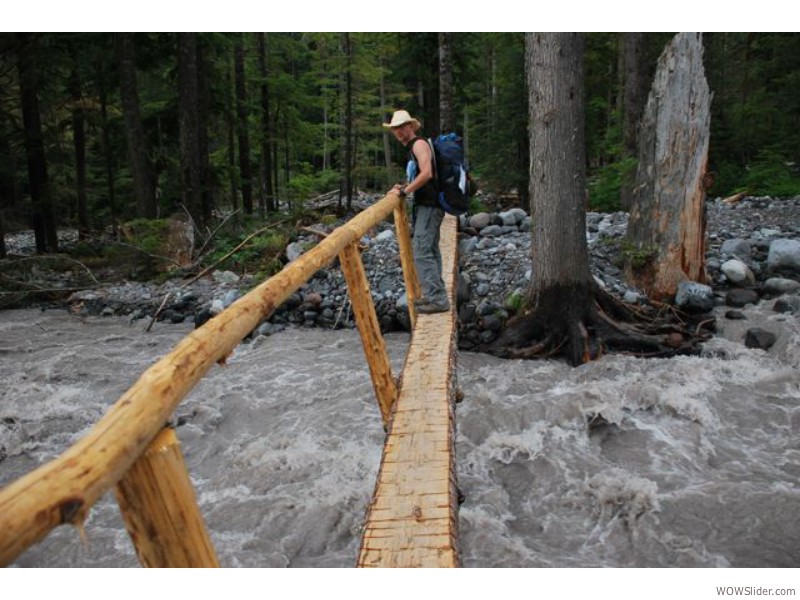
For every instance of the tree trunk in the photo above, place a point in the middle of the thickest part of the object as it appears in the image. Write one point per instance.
(558, 173)
(447, 121)
(387, 148)
(245, 170)
(566, 312)
(561, 282)
(107, 152)
(275, 161)
(189, 126)
(667, 224)
(44, 225)
(8, 185)
(346, 187)
(230, 109)
(635, 93)
(204, 108)
(144, 183)
(79, 143)
(266, 124)
(2, 233)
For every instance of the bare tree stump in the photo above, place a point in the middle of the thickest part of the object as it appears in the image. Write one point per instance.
(666, 231)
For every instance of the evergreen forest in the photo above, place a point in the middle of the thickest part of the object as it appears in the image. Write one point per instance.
(99, 129)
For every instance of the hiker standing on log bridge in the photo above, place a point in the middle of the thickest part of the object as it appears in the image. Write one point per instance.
(428, 214)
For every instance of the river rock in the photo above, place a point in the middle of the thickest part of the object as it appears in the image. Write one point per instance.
(480, 220)
(736, 247)
(735, 315)
(738, 273)
(312, 299)
(739, 298)
(513, 216)
(230, 297)
(492, 231)
(224, 277)
(759, 338)
(787, 304)
(693, 297)
(784, 256)
(385, 236)
(293, 251)
(775, 286)
(216, 307)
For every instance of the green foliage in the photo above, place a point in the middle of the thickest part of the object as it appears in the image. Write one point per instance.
(606, 182)
(515, 302)
(307, 183)
(476, 206)
(772, 174)
(261, 253)
(754, 146)
(637, 257)
(147, 234)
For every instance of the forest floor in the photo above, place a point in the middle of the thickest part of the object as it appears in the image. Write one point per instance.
(495, 270)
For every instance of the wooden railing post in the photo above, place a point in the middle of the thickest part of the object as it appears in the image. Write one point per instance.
(407, 260)
(367, 321)
(160, 510)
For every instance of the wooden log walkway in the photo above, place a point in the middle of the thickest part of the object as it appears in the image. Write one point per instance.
(413, 517)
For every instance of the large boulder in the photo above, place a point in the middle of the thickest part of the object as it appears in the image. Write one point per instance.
(784, 256)
(759, 338)
(513, 216)
(693, 297)
(738, 273)
(775, 286)
(480, 220)
(739, 298)
(736, 247)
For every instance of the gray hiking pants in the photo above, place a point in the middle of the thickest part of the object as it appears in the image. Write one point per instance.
(427, 258)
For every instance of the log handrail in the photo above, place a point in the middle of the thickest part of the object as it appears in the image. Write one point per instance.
(63, 490)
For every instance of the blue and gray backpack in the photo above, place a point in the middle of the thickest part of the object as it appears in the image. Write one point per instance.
(450, 173)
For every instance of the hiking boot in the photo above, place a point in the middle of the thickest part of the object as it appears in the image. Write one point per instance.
(427, 308)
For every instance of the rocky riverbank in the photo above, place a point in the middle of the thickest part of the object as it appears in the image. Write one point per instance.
(753, 256)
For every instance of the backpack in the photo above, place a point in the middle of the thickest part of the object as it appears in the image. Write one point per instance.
(451, 173)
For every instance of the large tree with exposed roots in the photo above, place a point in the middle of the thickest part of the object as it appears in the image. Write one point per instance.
(566, 312)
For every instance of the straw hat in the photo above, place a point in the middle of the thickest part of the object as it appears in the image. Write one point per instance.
(400, 118)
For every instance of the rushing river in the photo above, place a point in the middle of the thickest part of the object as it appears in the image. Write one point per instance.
(692, 461)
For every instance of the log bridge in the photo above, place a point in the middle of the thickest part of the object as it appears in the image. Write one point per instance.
(412, 518)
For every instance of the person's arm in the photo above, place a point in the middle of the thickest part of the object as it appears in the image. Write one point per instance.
(422, 152)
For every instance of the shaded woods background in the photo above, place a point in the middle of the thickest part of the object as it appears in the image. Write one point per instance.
(97, 129)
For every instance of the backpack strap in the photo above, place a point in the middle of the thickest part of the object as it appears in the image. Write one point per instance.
(433, 160)
(410, 147)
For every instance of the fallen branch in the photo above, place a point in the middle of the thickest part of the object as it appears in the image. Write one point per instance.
(232, 252)
(158, 312)
(156, 256)
(321, 234)
(49, 290)
(216, 230)
(735, 198)
(56, 257)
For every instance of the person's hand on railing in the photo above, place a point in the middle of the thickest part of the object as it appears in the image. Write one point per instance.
(398, 188)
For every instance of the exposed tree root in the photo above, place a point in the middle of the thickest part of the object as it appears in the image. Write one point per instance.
(582, 325)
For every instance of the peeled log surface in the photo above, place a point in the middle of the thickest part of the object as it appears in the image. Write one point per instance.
(413, 517)
(63, 490)
(367, 320)
(668, 214)
(160, 511)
